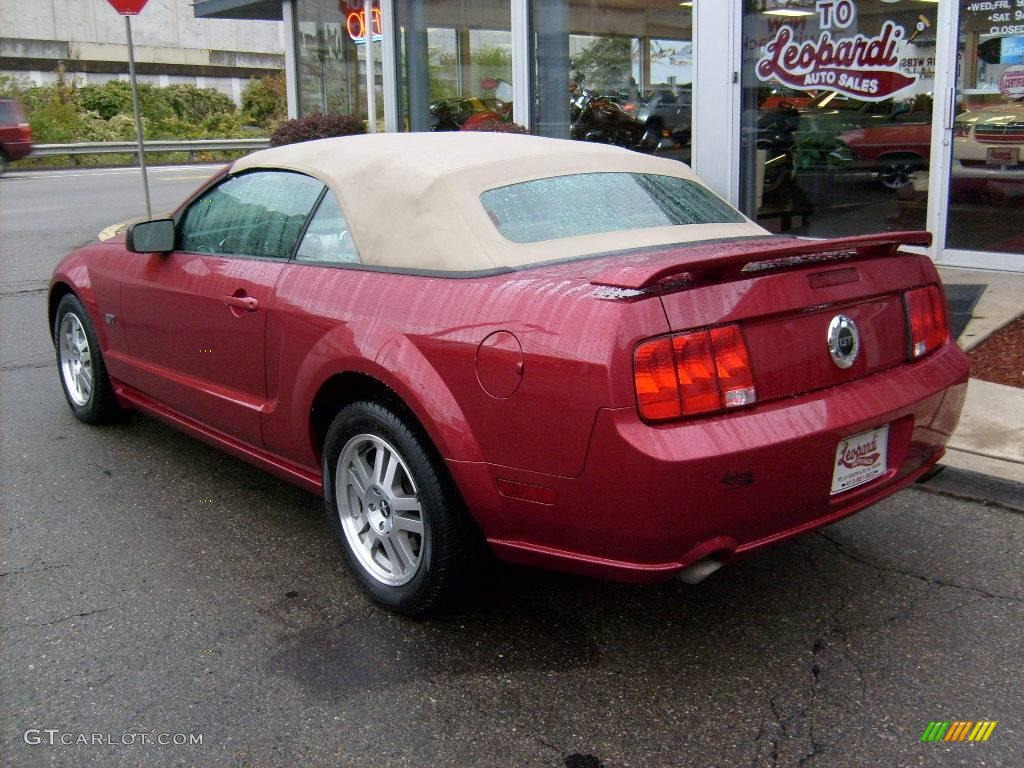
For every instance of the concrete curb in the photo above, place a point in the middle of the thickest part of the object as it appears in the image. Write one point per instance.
(964, 484)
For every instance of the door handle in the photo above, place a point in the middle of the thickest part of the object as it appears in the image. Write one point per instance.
(248, 303)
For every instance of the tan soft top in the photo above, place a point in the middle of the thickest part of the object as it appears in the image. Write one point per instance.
(412, 200)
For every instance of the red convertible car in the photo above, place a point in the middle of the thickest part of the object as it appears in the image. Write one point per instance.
(573, 355)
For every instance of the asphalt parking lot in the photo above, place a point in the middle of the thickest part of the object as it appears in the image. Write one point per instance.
(151, 585)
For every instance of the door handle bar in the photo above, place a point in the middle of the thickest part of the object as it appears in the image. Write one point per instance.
(248, 303)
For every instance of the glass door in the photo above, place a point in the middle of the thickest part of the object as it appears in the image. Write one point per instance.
(836, 120)
(984, 223)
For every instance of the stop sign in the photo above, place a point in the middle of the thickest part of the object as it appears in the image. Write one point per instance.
(128, 7)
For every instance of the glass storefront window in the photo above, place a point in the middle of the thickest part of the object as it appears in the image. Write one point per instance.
(837, 114)
(331, 52)
(986, 200)
(455, 63)
(614, 71)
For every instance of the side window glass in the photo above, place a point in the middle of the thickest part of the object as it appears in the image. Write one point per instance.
(256, 214)
(328, 239)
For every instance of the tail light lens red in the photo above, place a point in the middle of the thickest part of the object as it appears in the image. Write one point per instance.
(733, 364)
(693, 373)
(657, 385)
(926, 320)
(695, 365)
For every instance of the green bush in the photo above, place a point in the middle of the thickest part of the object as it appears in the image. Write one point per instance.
(13, 87)
(264, 101)
(115, 98)
(56, 123)
(197, 104)
(64, 112)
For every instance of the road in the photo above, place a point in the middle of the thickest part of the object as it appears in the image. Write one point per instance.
(151, 585)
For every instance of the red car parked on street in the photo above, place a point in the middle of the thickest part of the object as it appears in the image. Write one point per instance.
(573, 354)
(15, 134)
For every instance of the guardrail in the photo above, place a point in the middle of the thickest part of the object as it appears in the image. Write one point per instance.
(151, 147)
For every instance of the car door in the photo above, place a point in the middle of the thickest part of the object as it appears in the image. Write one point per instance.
(195, 319)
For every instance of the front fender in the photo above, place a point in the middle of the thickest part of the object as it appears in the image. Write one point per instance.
(72, 274)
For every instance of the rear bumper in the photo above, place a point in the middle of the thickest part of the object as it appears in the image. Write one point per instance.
(655, 499)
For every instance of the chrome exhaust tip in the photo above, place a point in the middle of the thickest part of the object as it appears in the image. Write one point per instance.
(696, 573)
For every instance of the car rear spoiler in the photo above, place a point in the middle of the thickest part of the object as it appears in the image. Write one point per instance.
(714, 261)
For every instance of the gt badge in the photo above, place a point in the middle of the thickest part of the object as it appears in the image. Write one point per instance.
(843, 341)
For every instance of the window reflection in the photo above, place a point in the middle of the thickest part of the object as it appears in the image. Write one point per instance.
(256, 214)
(455, 62)
(837, 141)
(614, 72)
(331, 37)
(986, 207)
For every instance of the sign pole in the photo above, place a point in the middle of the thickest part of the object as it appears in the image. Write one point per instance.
(138, 115)
(371, 75)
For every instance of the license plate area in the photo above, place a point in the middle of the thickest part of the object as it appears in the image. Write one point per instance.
(860, 459)
(1002, 156)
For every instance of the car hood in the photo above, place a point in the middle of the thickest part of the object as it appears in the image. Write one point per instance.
(997, 115)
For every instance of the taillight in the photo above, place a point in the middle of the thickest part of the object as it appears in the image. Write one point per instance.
(657, 386)
(693, 373)
(734, 375)
(926, 320)
(695, 365)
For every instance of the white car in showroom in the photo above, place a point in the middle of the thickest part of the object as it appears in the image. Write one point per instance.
(988, 151)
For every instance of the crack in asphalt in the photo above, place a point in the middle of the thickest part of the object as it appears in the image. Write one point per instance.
(809, 710)
(30, 569)
(23, 292)
(762, 732)
(839, 549)
(8, 367)
(990, 503)
(56, 621)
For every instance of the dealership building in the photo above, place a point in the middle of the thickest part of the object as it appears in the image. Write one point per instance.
(815, 117)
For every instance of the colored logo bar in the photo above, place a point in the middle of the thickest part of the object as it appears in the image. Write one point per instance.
(959, 730)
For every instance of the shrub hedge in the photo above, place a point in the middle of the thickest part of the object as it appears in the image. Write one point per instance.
(315, 126)
(66, 112)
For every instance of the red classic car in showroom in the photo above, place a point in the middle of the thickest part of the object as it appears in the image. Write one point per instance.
(571, 354)
(894, 152)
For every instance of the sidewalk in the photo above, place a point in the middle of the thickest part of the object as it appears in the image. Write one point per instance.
(990, 438)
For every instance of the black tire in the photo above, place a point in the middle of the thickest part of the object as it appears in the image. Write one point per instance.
(650, 134)
(450, 546)
(101, 405)
(894, 173)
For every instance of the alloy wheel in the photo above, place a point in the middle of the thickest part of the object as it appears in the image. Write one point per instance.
(379, 509)
(896, 175)
(75, 360)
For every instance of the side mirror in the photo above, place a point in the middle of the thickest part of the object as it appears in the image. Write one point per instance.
(156, 236)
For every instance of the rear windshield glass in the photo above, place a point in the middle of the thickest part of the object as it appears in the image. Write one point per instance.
(592, 203)
(9, 113)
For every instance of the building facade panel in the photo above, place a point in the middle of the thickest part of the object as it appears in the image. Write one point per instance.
(88, 38)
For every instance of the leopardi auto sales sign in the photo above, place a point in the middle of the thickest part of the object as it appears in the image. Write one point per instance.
(861, 66)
